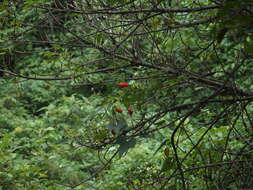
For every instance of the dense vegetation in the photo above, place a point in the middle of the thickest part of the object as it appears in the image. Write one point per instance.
(126, 94)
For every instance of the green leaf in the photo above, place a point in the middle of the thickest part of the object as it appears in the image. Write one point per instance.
(167, 164)
(118, 125)
(122, 124)
(5, 141)
(249, 48)
(125, 145)
(221, 34)
(162, 144)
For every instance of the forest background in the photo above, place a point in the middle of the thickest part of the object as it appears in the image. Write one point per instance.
(126, 94)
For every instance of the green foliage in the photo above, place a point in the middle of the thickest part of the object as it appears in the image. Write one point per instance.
(189, 74)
